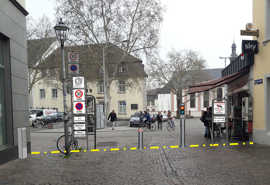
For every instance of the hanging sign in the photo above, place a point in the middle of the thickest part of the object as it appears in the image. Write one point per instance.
(73, 69)
(79, 126)
(78, 82)
(79, 119)
(73, 57)
(219, 107)
(78, 95)
(250, 46)
(79, 107)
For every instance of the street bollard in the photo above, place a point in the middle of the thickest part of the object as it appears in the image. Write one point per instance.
(180, 133)
(140, 138)
(22, 143)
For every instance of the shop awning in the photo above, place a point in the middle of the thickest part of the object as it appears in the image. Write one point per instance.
(205, 86)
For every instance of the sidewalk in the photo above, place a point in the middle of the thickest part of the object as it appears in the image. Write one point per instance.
(221, 166)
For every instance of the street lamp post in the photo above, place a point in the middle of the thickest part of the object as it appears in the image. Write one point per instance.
(61, 35)
(225, 59)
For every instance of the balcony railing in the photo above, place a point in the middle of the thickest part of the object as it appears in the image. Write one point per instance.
(239, 64)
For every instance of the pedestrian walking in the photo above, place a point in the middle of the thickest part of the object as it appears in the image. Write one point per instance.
(113, 118)
(205, 123)
(159, 120)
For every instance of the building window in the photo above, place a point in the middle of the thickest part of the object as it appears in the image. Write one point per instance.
(206, 99)
(54, 93)
(267, 20)
(134, 106)
(42, 93)
(122, 107)
(192, 101)
(5, 92)
(122, 68)
(122, 86)
(100, 87)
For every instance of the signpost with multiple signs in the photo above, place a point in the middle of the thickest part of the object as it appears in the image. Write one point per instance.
(219, 114)
(78, 95)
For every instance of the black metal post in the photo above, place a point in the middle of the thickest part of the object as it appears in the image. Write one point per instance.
(64, 99)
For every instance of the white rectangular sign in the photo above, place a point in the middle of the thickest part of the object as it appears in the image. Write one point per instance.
(78, 107)
(78, 94)
(73, 57)
(79, 126)
(219, 119)
(219, 107)
(78, 82)
(79, 119)
(79, 133)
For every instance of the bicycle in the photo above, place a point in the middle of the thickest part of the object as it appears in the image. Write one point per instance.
(39, 123)
(73, 143)
(170, 125)
(152, 125)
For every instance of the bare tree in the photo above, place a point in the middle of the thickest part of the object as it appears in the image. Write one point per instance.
(106, 22)
(40, 39)
(182, 69)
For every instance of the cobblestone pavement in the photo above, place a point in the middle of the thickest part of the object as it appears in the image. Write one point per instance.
(239, 165)
(203, 166)
(45, 139)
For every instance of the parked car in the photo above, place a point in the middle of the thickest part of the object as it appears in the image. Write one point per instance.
(135, 120)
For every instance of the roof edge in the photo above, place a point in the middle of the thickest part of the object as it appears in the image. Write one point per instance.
(19, 6)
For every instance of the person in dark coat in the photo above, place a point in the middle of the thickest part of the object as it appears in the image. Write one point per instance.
(207, 121)
(113, 118)
(159, 120)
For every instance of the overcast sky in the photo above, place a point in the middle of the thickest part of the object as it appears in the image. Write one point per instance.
(207, 26)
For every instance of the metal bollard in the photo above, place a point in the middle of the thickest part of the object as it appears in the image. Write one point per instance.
(22, 143)
(140, 138)
(180, 133)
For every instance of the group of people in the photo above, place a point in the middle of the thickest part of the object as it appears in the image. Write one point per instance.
(144, 117)
(206, 118)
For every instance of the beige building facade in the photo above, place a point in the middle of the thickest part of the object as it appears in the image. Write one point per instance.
(261, 107)
(127, 97)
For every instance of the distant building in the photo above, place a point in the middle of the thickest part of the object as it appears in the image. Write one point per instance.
(126, 90)
(13, 77)
(164, 99)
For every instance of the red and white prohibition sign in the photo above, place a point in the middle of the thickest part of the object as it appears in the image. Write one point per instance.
(78, 95)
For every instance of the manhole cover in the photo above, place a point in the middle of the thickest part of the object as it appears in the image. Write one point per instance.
(110, 143)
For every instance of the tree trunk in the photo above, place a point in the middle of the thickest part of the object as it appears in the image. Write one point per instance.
(179, 102)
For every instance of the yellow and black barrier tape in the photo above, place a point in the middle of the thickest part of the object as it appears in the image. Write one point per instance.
(150, 148)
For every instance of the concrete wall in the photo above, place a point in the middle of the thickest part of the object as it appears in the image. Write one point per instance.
(13, 26)
(261, 69)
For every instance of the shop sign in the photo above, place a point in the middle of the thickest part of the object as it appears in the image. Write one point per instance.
(250, 33)
(258, 81)
(79, 126)
(73, 57)
(219, 107)
(78, 82)
(250, 46)
(78, 95)
(219, 119)
(79, 108)
(79, 119)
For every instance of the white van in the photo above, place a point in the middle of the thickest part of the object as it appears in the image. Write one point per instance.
(46, 114)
